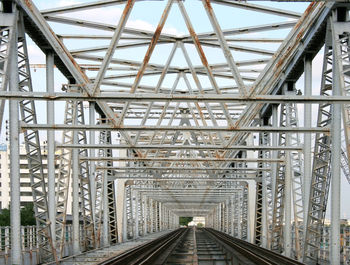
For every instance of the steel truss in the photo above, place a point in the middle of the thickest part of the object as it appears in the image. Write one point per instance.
(7, 36)
(321, 164)
(334, 65)
(100, 178)
(288, 117)
(34, 153)
(187, 124)
(261, 192)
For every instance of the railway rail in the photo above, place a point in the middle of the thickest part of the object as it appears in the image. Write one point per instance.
(199, 246)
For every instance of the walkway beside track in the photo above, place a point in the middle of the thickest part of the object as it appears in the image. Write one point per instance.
(99, 255)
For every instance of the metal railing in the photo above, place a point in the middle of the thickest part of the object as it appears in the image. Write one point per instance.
(30, 244)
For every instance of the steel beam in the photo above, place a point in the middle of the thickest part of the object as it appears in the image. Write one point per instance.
(307, 137)
(174, 128)
(51, 148)
(16, 249)
(336, 142)
(164, 146)
(149, 97)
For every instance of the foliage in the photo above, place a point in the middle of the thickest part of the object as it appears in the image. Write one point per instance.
(185, 220)
(5, 217)
(200, 225)
(27, 216)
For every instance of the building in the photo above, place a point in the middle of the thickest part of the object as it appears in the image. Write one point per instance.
(25, 185)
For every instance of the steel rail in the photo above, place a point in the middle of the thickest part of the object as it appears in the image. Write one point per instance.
(251, 251)
(157, 251)
(146, 253)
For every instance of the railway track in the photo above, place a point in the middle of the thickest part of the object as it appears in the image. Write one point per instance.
(203, 246)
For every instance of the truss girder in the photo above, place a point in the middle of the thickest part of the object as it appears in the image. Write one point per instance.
(7, 36)
(288, 117)
(33, 153)
(261, 192)
(112, 212)
(86, 208)
(100, 177)
(321, 163)
(184, 146)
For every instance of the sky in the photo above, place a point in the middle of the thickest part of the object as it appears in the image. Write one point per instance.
(146, 15)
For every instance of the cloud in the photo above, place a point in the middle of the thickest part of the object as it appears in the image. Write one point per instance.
(36, 56)
(67, 3)
(140, 24)
(144, 25)
(111, 15)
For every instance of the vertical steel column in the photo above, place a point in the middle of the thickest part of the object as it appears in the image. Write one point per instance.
(239, 211)
(274, 142)
(160, 214)
(75, 199)
(156, 205)
(244, 214)
(92, 152)
(7, 34)
(157, 216)
(171, 220)
(232, 217)
(136, 234)
(105, 234)
(220, 217)
(213, 218)
(112, 211)
(320, 180)
(336, 152)
(151, 210)
(164, 211)
(168, 219)
(264, 216)
(223, 216)
(144, 214)
(251, 210)
(125, 217)
(154, 220)
(14, 158)
(261, 191)
(33, 154)
(120, 209)
(264, 227)
(227, 204)
(307, 136)
(287, 237)
(51, 146)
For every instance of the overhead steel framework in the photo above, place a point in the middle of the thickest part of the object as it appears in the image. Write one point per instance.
(201, 120)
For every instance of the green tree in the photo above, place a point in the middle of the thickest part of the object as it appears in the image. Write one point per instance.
(5, 217)
(185, 220)
(28, 215)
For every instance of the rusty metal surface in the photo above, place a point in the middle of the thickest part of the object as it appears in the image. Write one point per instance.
(178, 103)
